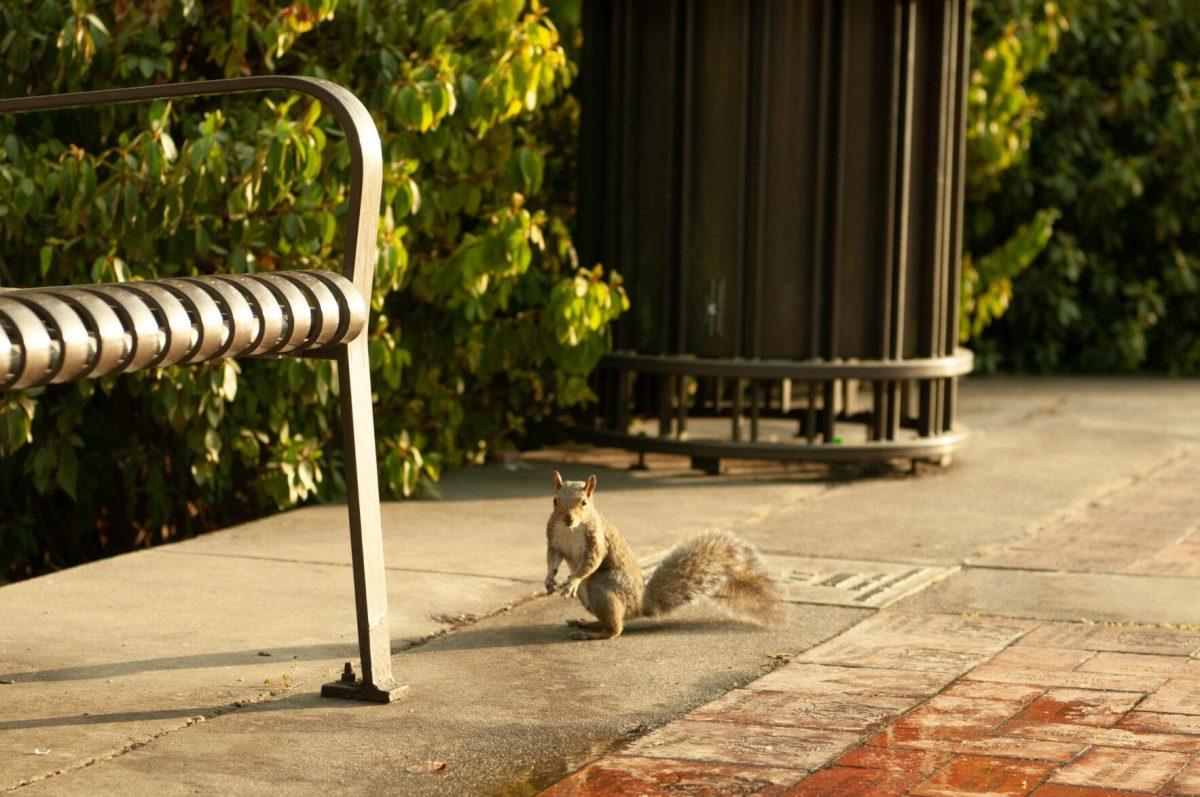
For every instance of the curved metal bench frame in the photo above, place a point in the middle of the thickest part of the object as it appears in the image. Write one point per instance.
(358, 429)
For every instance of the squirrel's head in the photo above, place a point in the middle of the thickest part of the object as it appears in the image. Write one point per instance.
(573, 500)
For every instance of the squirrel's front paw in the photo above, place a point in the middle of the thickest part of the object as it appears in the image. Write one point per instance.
(550, 585)
(571, 588)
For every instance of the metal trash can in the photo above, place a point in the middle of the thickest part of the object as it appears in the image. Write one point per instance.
(781, 184)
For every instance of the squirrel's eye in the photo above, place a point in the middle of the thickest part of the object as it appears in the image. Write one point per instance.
(555, 501)
(584, 502)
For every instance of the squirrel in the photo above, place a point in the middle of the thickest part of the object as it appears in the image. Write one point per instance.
(608, 582)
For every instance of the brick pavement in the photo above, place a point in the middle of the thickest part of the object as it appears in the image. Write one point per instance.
(1151, 527)
(939, 704)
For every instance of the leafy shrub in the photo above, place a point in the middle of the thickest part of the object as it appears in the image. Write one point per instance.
(483, 322)
(1115, 159)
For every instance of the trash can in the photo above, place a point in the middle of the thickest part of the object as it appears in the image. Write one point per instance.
(781, 184)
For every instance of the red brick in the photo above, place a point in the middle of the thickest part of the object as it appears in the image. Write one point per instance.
(1061, 790)
(865, 653)
(647, 777)
(997, 746)
(1112, 768)
(1161, 723)
(1177, 696)
(762, 707)
(1175, 560)
(1076, 707)
(917, 641)
(799, 748)
(1144, 518)
(1159, 497)
(1092, 531)
(1001, 673)
(1142, 664)
(855, 782)
(947, 718)
(1037, 657)
(823, 680)
(1124, 639)
(970, 774)
(1186, 782)
(1016, 695)
(870, 757)
(1111, 737)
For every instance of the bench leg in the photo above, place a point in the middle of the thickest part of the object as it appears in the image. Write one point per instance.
(366, 535)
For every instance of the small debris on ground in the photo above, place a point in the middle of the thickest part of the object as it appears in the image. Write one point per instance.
(264, 653)
(428, 766)
(639, 728)
(6, 681)
(453, 619)
(780, 656)
(40, 751)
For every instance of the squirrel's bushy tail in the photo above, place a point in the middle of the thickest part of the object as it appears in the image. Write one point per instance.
(720, 565)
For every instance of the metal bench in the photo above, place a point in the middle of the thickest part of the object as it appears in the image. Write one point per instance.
(61, 334)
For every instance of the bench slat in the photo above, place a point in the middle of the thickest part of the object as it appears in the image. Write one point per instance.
(64, 333)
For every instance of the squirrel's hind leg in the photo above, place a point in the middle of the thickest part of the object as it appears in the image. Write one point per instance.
(611, 612)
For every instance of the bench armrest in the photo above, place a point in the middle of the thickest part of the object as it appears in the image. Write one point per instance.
(366, 156)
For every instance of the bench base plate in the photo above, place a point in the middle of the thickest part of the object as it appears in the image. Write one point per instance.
(364, 692)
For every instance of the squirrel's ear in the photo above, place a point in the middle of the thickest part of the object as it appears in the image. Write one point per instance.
(558, 482)
(591, 484)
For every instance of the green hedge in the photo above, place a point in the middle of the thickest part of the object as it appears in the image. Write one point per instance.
(483, 322)
(1084, 208)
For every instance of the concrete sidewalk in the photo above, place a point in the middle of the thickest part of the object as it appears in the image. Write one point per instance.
(196, 666)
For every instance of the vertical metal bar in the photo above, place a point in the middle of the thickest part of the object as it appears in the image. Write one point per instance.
(686, 105)
(821, 181)
(949, 130)
(681, 406)
(628, 165)
(950, 403)
(757, 86)
(880, 407)
(810, 424)
(624, 380)
(615, 77)
(366, 530)
(904, 197)
(933, 324)
(835, 194)
(662, 388)
(756, 396)
(745, 105)
(738, 386)
(675, 201)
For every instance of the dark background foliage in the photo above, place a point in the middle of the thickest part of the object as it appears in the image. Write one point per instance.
(1105, 186)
